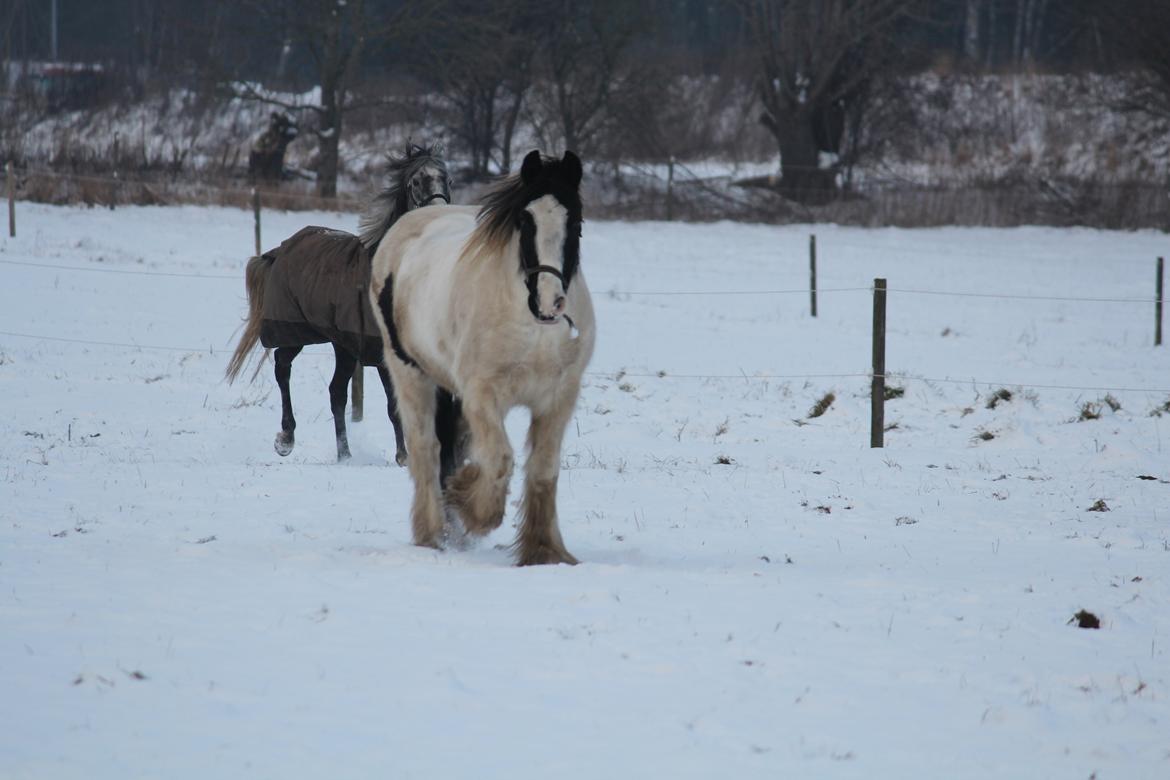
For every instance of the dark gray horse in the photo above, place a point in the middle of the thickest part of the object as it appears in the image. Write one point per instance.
(312, 290)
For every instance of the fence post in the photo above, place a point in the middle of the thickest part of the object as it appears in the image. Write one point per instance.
(11, 184)
(115, 189)
(1158, 307)
(877, 391)
(358, 393)
(256, 215)
(812, 272)
(670, 189)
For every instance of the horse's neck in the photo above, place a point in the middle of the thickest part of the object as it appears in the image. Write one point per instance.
(491, 272)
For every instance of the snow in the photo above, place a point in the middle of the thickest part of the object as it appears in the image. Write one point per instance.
(178, 601)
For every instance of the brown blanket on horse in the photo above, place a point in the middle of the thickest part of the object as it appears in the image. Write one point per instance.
(316, 293)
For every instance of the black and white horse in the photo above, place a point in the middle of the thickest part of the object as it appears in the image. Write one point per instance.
(489, 305)
(312, 290)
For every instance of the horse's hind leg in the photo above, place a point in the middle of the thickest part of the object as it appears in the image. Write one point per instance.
(451, 430)
(344, 365)
(285, 440)
(539, 538)
(395, 420)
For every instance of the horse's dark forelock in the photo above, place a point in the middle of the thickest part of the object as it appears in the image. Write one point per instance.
(505, 206)
(391, 203)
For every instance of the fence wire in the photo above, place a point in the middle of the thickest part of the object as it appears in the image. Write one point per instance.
(646, 293)
(618, 375)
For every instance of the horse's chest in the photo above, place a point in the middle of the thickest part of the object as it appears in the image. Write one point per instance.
(529, 367)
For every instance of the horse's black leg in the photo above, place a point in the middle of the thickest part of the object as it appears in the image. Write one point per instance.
(449, 430)
(392, 409)
(285, 439)
(338, 391)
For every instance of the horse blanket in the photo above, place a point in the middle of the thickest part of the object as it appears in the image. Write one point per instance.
(316, 293)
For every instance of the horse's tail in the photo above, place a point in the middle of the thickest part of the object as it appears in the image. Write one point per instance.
(255, 280)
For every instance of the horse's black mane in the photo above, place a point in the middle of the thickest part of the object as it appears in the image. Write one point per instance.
(504, 206)
(390, 204)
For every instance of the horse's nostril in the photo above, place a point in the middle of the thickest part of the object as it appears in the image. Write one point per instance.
(559, 304)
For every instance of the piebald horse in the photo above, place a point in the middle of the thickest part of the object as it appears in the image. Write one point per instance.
(489, 305)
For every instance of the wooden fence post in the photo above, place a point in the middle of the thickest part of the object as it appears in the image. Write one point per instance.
(114, 188)
(11, 184)
(877, 392)
(670, 189)
(256, 215)
(812, 272)
(1158, 307)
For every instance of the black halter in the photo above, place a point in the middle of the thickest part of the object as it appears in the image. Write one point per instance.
(529, 272)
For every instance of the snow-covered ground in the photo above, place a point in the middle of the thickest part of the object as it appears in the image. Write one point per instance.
(177, 601)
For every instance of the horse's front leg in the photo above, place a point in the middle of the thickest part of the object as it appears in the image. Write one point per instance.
(478, 490)
(395, 419)
(416, 405)
(286, 439)
(344, 365)
(539, 538)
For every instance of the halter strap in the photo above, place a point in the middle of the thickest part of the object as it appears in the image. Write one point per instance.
(446, 198)
(546, 269)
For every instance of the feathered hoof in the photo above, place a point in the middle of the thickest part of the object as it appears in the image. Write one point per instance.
(431, 543)
(284, 443)
(400, 457)
(466, 492)
(544, 554)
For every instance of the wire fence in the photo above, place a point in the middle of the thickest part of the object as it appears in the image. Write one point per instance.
(635, 190)
(873, 375)
(40, 184)
(648, 293)
(620, 374)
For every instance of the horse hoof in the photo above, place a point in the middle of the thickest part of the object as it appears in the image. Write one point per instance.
(284, 444)
(400, 457)
(342, 457)
(546, 554)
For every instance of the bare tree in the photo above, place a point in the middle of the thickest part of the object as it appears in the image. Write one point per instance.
(817, 62)
(1139, 30)
(585, 43)
(479, 60)
(334, 34)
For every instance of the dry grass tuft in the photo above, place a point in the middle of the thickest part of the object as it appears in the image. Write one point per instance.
(1001, 395)
(822, 406)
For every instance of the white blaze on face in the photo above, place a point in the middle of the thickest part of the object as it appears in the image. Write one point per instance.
(549, 216)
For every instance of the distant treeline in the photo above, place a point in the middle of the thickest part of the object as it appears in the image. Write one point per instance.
(148, 39)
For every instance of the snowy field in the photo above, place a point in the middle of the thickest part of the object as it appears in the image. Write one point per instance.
(761, 595)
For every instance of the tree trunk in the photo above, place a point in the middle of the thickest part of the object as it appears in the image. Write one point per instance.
(991, 25)
(328, 140)
(971, 32)
(510, 120)
(802, 178)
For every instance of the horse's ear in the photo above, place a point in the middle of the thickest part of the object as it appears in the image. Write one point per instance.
(531, 167)
(439, 149)
(572, 164)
